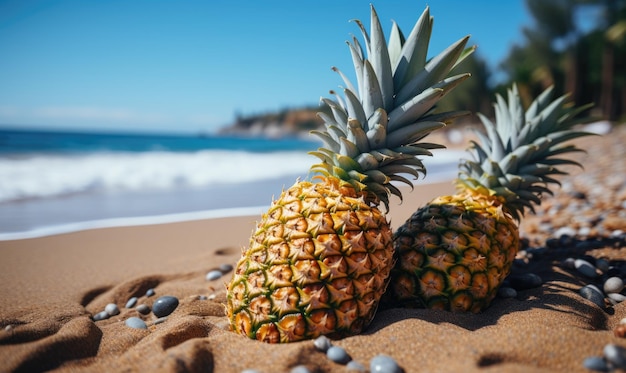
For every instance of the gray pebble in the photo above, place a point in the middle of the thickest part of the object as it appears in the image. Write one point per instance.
(596, 363)
(213, 275)
(164, 305)
(384, 364)
(524, 281)
(617, 297)
(338, 355)
(322, 343)
(143, 309)
(131, 302)
(225, 268)
(507, 292)
(136, 322)
(616, 355)
(150, 292)
(593, 294)
(300, 369)
(585, 268)
(159, 320)
(355, 365)
(613, 285)
(202, 297)
(102, 315)
(603, 265)
(250, 371)
(569, 263)
(112, 309)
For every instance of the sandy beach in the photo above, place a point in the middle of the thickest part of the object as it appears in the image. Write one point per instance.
(51, 288)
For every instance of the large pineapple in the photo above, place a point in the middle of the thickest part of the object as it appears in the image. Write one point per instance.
(319, 260)
(454, 253)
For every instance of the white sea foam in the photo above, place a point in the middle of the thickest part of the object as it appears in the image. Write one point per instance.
(40, 176)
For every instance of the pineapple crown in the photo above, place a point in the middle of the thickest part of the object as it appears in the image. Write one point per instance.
(372, 134)
(517, 157)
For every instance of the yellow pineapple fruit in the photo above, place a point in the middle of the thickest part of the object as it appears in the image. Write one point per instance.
(319, 260)
(454, 253)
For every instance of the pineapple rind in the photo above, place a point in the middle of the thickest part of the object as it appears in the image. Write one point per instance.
(318, 263)
(453, 254)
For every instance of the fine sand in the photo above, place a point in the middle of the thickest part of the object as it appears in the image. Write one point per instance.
(51, 287)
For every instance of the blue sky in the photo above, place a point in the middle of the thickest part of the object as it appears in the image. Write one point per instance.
(189, 66)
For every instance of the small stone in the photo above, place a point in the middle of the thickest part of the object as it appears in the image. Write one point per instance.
(136, 322)
(202, 297)
(225, 268)
(525, 281)
(143, 309)
(8, 328)
(300, 369)
(112, 309)
(613, 285)
(131, 302)
(356, 366)
(564, 233)
(213, 275)
(102, 315)
(620, 331)
(615, 355)
(603, 265)
(384, 364)
(617, 297)
(160, 320)
(164, 305)
(338, 355)
(569, 263)
(593, 294)
(322, 343)
(585, 268)
(150, 292)
(623, 321)
(250, 371)
(507, 292)
(596, 363)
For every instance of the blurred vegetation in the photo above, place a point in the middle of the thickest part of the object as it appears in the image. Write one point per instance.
(579, 46)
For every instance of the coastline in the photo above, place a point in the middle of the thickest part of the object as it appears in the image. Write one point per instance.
(53, 286)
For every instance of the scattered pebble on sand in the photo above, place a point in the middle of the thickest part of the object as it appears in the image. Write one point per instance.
(615, 355)
(150, 292)
(213, 275)
(322, 343)
(355, 366)
(585, 268)
(102, 315)
(131, 302)
(226, 267)
(143, 309)
(613, 285)
(338, 355)
(112, 309)
(136, 322)
(159, 320)
(593, 294)
(164, 305)
(384, 364)
(300, 369)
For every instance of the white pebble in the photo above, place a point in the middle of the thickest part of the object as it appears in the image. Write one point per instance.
(213, 275)
(616, 355)
(112, 309)
(300, 369)
(384, 364)
(613, 285)
(623, 321)
(617, 297)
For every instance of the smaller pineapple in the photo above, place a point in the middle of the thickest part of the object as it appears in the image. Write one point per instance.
(454, 253)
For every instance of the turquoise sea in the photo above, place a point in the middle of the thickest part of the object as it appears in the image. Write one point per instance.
(56, 181)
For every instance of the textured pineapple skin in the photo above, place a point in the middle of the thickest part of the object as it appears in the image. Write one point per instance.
(453, 254)
(317, 264)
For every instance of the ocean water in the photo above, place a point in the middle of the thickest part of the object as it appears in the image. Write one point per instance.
(54, 182)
